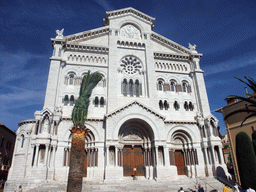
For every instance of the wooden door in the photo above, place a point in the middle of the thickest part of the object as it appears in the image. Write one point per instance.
(133, 158)
(179, 162)
(85, 165)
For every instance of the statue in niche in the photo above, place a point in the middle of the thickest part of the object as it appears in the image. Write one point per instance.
(59, 34)
(46, 123)
(130, 31)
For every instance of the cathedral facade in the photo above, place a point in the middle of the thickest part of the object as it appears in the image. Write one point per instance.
(149, 116)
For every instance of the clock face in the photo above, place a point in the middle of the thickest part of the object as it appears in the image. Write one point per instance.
(131, 64)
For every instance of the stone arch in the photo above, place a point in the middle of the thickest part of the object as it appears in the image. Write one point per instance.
(136, 24)
(140, 118)
(184, 129)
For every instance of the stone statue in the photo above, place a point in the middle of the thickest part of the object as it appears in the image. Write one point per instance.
(192, 47)
(59, 34)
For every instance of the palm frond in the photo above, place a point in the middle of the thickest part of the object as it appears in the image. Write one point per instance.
(80, 109)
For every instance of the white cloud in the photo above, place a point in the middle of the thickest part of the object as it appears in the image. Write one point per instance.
(235, 63)
(105, 5)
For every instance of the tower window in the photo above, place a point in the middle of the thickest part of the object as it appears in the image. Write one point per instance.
(101, 102)
(186, 106)
(172, 86)
(71, 79)
(131, 87)
(191, 106)
(166, 105)
(96, 102)
(160, 85)
(124, 87)
(184, 87)
(161, 105)
(72, 100)
(176, 105)
(137, 88)
(66, 100)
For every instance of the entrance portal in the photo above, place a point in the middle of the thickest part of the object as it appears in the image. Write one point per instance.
(179, 162)
(133, 161)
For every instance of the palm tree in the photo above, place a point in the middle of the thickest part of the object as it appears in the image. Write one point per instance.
(79, 131)
(250, 99)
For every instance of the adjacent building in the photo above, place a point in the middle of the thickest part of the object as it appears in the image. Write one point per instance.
(233, 127)
(7, 141)
(150, 112)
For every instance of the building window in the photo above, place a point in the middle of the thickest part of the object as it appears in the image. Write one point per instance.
(66, 100)
(176, 106)
(96, 101)
(71, 79)
(191, 106)
(131, 87)
(184, 87)
(161, 105)
(22, 141)
(160, 85)
(72, 100)
(137, 88)
(124, 87)
(172, 86)
(101, 102)
(186, 106)
(166, 105)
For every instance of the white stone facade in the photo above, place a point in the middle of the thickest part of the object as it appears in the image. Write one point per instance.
(152, 97)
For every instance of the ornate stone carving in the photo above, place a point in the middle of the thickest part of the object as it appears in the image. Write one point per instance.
(130, 31)
(131, 65)
(59, 34)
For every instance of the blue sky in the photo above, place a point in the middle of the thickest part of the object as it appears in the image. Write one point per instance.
(224, 32)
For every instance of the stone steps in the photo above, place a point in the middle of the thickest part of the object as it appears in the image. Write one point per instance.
(135, 185)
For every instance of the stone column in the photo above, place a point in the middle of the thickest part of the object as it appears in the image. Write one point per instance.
(116, 156)
(221, 155)
(166, 157)
(156, 156)
(36, 155)
(54, 154)
(49, 157)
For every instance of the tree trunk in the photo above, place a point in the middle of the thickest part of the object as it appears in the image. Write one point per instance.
(75, 176)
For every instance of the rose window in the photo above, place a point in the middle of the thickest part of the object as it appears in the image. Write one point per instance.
(131, 64)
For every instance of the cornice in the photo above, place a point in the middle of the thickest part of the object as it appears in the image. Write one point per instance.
(27, 122)
(89, 119)
(135, 103)
(87, 48)
(128, 11)
(81, 36)
(167, 42)
(180, 122)
(168, 56)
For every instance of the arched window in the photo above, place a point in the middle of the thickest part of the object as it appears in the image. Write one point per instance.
(191, 106)
(66, 100)
(176, 105)
(71, 78)
(124, 87)
(22, 141)
(137, 88)
(166, 105)
(131, 87)
(184, 86)
(186, 105)
(96, 101)
(160, 85)
(102, 102)
(72, 100)
(161, 105)
(172, 86)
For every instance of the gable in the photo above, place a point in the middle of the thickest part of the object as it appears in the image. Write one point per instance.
(139, 105)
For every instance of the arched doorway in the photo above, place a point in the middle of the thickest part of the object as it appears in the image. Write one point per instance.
(90, 155)
(137, 139)
(183, 153)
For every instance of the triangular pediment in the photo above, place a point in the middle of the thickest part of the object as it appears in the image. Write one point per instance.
(127, 12)
(148, 109)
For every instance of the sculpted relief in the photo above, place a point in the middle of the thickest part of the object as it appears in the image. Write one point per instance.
(130, 31)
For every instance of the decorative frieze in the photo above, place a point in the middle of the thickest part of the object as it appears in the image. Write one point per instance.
(172, 67)
(167, 56)
(131, 45)
(86, 48)
(88, 34)
(82, 58)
